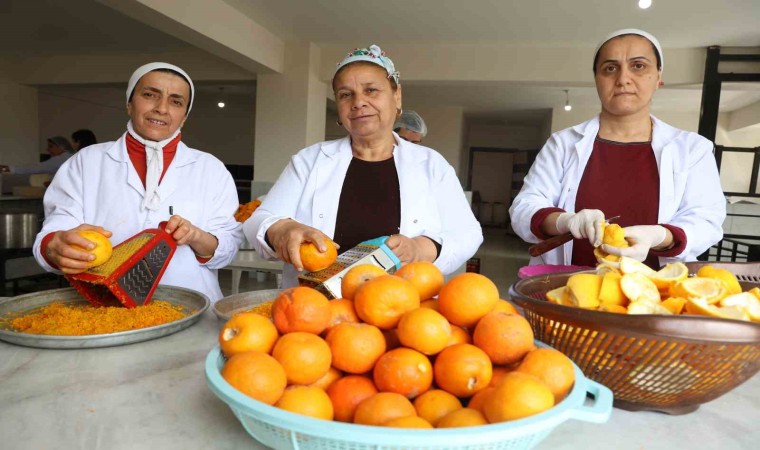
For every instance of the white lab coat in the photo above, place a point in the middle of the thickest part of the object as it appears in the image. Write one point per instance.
(99, 186)
(432, 201)
(690, 193)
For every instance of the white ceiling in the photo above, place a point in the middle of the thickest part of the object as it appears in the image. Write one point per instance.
(44, 27)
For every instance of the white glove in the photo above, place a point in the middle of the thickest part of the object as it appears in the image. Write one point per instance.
(642, 238)
(586, 223)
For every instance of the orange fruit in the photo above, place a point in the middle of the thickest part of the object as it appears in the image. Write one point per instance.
(358, 275)
(728, 279)
(346, 394)
(341, 310)
(504, 306)
(462, 370)
(408, 422)
(391, 339)
(246, 332)
(669, 275)
(477, 400)
(466, 298)
(306, 400)
(328, 379)
(465, 417)
(355, 347)
(256, 375)
(431, 303)
(103, 248)
(674, 304)
(506, 338)
(382, 407)
(499, 372)
(425, 276)
(459, 336)
(434, 404)
(553, 368)
(305, 357)
(383, 300)
(424, 330)
(301, 309)
(519, 395)
(313, 260)
(712, 290)
(403, 371)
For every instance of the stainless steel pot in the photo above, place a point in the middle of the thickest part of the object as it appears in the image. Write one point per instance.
(18, 230)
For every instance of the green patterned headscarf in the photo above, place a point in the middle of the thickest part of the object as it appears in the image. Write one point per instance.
(374, 55)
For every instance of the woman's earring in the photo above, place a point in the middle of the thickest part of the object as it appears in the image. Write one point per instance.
(399, 112)
(340, 124)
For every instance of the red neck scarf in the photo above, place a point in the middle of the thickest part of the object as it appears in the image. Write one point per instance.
(136, 152)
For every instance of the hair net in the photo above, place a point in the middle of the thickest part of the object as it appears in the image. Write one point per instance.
(637, 32)
(412, 122)
(150, 67)
(374, 55)
(62, 142)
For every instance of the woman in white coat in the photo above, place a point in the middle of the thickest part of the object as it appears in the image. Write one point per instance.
(368, 184)
(663, 182)
(146, 177)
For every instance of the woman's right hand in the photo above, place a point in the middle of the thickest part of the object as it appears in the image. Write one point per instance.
(286, 237)
(61, 251)
(585, 224)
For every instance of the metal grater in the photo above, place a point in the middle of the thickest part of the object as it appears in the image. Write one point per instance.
(132, 273)
(328, 281)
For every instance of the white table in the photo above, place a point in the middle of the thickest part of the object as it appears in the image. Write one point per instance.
(248, 260)
(153, 395)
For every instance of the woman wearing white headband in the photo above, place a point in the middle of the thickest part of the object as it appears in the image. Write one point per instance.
(368, 184)
(145, 177)
(663, 182)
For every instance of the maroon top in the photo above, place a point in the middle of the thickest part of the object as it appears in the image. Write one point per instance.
(370, 203)
(620, 179)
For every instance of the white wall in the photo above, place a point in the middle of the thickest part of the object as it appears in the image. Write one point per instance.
(226, 133)
(445, 128)
(18, 124)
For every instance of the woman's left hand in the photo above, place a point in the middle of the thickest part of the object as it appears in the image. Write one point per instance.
(408, 249)
(642, 238)
(184, 232)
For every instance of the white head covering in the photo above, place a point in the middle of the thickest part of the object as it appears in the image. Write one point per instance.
(374, 55)
(154, 151)
(637, 32)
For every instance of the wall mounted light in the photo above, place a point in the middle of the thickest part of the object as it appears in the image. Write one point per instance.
(221, 103)
(568, 107)
(645, 4)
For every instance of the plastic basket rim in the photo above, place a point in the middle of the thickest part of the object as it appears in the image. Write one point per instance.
(378, 436)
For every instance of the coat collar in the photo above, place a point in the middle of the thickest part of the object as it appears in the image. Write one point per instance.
(118, 152)
(662, 135)
(405, 149)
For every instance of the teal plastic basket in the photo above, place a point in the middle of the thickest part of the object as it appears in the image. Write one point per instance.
(280, 429)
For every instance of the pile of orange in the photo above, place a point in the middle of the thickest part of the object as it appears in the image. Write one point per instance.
(403, 350)
(245, 210)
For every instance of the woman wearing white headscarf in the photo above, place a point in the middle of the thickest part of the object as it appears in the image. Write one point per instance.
(147, 176)
(369, 184)
(663, 182)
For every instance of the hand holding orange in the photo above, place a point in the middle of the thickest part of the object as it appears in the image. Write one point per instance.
(314, 260)
(102, 250)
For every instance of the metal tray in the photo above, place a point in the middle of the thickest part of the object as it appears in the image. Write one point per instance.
(228, 306)
(193, 303)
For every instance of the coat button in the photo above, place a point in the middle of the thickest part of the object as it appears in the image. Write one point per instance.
(321, 216)
(414, 221)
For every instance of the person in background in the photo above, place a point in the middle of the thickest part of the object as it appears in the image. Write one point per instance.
(58, 148)
(145, 177)
(83, 138)
(411, 127)
(369, 184)
(663, 182)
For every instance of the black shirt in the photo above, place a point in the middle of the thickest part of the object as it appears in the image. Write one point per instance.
(370, 203)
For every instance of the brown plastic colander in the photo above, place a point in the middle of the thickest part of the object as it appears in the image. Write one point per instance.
(663, 363)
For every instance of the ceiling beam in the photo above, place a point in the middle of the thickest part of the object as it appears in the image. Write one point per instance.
(211, 25)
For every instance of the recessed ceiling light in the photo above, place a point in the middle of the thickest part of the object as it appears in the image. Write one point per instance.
(644, 4)
(220, 104)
